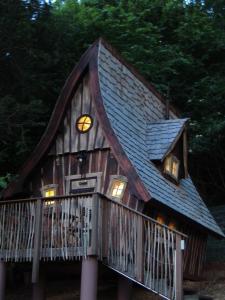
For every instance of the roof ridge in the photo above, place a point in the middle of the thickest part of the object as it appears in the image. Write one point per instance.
(168, 121)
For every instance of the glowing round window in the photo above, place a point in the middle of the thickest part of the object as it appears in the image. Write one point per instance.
(84, 123)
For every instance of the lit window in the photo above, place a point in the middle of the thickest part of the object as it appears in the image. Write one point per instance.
(172, 225)
(171, 166)
(84, 123)
(160, 219)
(49, 193)
(117, 187)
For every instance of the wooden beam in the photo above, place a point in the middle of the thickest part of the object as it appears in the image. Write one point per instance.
(178, 269)
(185, 153)
(140, 249)
(89, 278)
(2, 279)
(94, 216)
(37, 242)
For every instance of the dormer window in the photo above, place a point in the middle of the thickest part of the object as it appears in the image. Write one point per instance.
(117, 187)
(171, 166)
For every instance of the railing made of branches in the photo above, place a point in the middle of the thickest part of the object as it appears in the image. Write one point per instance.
(71, 227)
(142, 249)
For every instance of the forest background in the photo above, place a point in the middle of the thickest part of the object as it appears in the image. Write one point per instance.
(179, 46)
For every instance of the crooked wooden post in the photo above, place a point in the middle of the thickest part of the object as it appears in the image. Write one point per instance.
(179, 269)
(38, 289)
(2, 279)
(89, 272)
(140, 250)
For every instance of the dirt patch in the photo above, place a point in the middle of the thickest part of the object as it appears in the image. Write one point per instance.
(212, 288)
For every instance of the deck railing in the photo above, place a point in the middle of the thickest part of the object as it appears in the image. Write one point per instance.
(71, 227)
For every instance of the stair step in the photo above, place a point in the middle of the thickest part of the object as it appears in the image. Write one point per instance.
(191, 297)
(188, 291)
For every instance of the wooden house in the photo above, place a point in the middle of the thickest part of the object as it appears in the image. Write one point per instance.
(108, 182)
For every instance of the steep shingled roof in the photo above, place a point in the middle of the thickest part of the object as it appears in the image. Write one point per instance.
(130, 107)
(162, 135)
(125, 105)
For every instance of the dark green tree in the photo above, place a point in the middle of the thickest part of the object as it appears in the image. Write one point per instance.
(178, 45)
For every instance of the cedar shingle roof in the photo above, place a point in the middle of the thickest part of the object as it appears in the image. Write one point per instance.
(162, 135)
(126, 105)
(131, 107)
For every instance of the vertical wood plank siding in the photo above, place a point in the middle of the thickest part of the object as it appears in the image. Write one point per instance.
(68, 140)
(62, 159)
(194, 254)
(55, 168)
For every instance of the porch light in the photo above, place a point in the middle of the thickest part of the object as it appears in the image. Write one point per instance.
(160, 219)
(84, 123)
(172, 225)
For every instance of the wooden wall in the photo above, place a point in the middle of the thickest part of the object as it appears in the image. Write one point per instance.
(68, 139)
(55, 168)
(195, 245)
(62, 161)
(195, 253)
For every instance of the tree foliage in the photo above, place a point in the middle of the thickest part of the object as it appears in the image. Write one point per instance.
(178, 45)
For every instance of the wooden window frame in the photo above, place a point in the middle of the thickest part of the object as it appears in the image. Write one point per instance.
(49, 187)
(91, 124)
(114, 178)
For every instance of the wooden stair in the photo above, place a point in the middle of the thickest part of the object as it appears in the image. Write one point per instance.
(193, 295)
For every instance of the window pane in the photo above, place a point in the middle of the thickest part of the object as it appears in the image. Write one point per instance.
(50, 193)
(117, 188)
(84, 123)
(174, 168)
(168, 164)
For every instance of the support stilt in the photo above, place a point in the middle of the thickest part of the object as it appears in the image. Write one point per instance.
(89, 278)
(38, 292)
(2, 279)
(124, 288)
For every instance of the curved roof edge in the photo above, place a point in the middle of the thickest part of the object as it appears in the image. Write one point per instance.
(88, 60)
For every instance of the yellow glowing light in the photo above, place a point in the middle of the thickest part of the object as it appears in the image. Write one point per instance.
(84, 123)
(171, 166)
(175, 168)
(117, 188)
(50, 193)
(160, 219)
(172, 225)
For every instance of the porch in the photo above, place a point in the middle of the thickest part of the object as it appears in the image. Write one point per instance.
(92, 227)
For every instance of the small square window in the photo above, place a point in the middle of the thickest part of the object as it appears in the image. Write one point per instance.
(49, 191)
(171, 166)
(117, 187)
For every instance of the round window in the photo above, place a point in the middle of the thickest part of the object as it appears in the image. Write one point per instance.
(84, 123)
